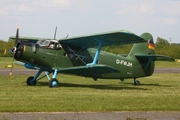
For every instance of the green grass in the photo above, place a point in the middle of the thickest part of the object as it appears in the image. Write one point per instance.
(166, 64)
(158, 92)
(5, 61)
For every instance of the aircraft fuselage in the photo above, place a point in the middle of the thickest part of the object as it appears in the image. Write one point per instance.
(48, 59)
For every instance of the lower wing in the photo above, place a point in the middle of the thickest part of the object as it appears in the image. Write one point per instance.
(89, 71)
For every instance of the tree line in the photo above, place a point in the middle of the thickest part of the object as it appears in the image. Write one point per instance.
(162, 46)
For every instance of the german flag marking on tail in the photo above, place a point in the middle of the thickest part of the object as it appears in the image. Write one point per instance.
(151, 46)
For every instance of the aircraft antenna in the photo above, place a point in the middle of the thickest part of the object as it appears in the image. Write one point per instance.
(55, 33)
(67, 36)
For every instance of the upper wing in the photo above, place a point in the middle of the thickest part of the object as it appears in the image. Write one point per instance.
(110, 38)
(27, 39)
(156, 57)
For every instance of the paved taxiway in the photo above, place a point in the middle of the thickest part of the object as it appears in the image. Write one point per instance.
(125, 115)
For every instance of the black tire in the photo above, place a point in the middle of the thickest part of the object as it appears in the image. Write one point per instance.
(30, 81)
(53, 83)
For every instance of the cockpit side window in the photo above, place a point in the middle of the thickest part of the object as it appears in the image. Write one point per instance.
(46, 43)
(57, 46)
(40, 42)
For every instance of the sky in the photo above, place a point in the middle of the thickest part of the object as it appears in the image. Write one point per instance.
(38, 18)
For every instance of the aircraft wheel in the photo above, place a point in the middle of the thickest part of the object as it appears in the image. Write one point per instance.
(53, 83)
(30, 81)
(136, 82)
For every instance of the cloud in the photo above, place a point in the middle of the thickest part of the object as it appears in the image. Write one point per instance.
(170, 21)
(142, 7)
(28, 6)
(172, 8)
(146, 9)
(15, 9)
(127, 9)
(22, 8)
(59, 4)
(153, 7)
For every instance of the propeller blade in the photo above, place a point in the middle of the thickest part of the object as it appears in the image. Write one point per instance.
(17, 36)
(14, 49)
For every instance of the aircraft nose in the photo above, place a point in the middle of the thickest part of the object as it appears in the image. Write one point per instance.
(13, 50)
(18, 50)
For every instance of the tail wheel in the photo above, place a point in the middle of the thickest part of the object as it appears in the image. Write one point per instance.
(136, 82)
(31, 81)
(53, 83)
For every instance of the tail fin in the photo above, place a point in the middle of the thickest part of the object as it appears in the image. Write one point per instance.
(144, 52)
(146, 48)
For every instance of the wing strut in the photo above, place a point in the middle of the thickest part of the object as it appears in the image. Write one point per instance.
(149, 61)
(97, 53)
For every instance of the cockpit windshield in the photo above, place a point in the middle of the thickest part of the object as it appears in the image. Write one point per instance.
(52, 44)
(43, 42)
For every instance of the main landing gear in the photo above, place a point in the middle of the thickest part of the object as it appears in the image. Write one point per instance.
(53, 82)
(136, 82)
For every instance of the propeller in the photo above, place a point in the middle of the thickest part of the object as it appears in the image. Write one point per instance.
(17, 36)
(14, 49)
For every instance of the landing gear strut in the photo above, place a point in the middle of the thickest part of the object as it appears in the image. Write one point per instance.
(136, 82)
(52, 82)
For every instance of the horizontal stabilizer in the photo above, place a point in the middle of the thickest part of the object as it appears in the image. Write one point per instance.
(156, 57)
(93, 70)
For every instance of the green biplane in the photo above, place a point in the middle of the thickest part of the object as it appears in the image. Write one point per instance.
(83, 56)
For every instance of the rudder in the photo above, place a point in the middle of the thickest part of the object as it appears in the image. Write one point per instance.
(144, 48)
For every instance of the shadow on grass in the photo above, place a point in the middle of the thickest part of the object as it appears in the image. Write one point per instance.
(108, 87)
(155, 84)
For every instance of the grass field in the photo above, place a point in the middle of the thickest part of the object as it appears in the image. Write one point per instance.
(5, 61)
(159, 92)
